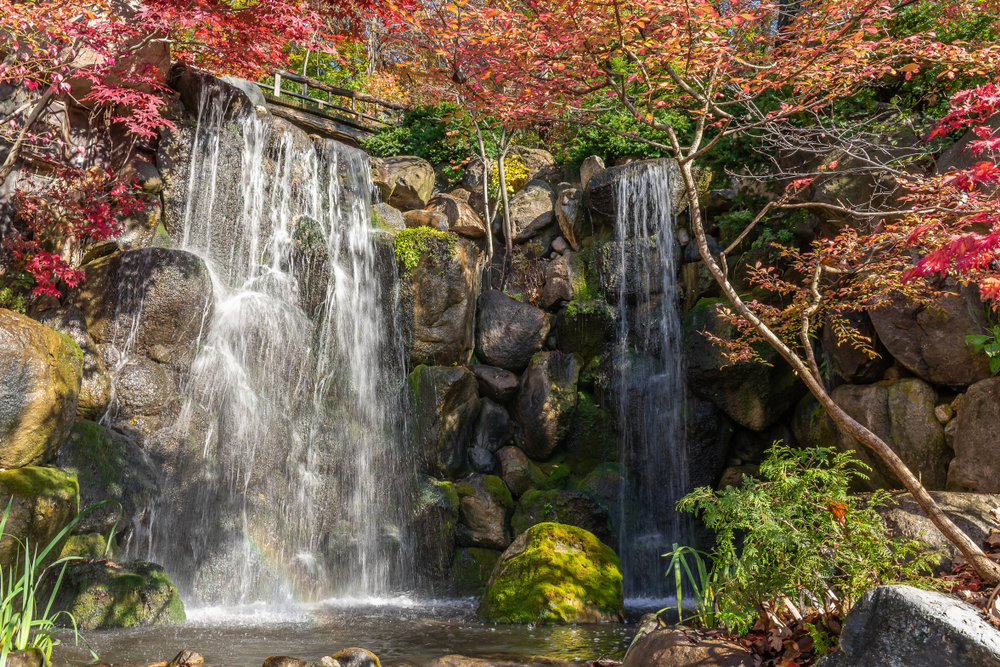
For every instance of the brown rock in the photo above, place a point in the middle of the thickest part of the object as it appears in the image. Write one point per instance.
(284, 661)
(519, 473)
(849, 362)
(672, 647)
(433, 219)
(188, 658)
(495, 383)
(410, 179)
(462, 219)
(547, 402)
(484, 513)
(570, 214)
(356, 657)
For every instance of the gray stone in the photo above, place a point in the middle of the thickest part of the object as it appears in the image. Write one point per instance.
(390, 217)
(143, 387)
(560, 246)
(901, 413)
(849, 362)
(444, 403)
(752, 394)
(248, 88)
(495, 383)
(976, 466)
(975, 514)
(590, 167)
(481, 461)
(565, 280)
(896, 626)
(411, 180)
(493, 428)
(569, 211)
(547, 402)
(930, 341)
(618, 279)
(531, 210)
(509, 332)
(484, 512)
(539, 163)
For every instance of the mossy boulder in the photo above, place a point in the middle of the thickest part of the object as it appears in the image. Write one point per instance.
(591, 440)
(89, 546)
(126, 595)
(554, 573)
(41, 371)
(585, 327)
(432, 529)
(753, 394)
(108, 466)
(472, 569)
(573, 508)
(444, 404)
(45, 501)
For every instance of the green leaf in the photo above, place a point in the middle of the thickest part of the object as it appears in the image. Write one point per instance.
(995, 365)
(977, 339)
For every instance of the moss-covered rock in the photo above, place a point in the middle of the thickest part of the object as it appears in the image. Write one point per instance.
(520, 474)
(108, 466)
(585, 327)
(41, 371)
(45, 501)
(105, 595)
(573, 508)
(472, 569)
(89, 546)
(591, 440)
(554, 573)
(432, 530)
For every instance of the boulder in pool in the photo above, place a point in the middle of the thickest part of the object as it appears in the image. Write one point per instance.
(554, 573)
(100, 594)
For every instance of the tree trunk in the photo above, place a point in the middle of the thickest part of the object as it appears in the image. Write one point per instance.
(507, 229)
(486, 204)
(985, 567)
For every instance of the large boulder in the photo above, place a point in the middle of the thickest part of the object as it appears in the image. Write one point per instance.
(930, 340)
(532, 209)
(891, 626)
(679, 646)
(444, 404)
(573, 508)
(410, 180)
(565, 280)
(95, 389)
(508, 331)
(431, 531)
(585, 327)
(495, 383)
(104, 595)
(901, 413)
(603, 187)
(547, 402)
(622, 269)
(462, 219)
(147, 297)
(752, 394)
(142, 386)
(589, 168)
(976, 514)
(438, 296)
(591, 440)
(850, 363)
(555, 574)
(539, 163)
(976, 466)
(519, 473)
(484, 510)
(45, 501)
(42, 372)
(109, 466)
(493, 428)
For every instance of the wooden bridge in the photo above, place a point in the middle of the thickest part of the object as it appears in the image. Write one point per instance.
(345, 115)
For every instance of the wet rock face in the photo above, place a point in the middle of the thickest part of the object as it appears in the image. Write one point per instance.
(432, 530)
(444, 404)
(493, 428)
(509, 332)
(976, 466)
(900, 625)
(751, 394)
(136, 593)
(602, 188)
(554, 573)
(931, 341)
(41, 372)
(438, 303)
(547, 402)
(147, 297)
(901, 413)
(484, 512)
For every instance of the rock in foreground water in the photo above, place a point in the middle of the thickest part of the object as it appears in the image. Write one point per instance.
(111, 595)
(900, 625)
(554, 573)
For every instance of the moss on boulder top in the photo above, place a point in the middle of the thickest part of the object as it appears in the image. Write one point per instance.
(554, 573)
(106, 595)
(45, 500)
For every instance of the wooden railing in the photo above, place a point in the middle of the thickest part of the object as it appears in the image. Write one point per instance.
(362, 111)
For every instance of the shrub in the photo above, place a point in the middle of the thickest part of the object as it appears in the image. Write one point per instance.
(800, 536)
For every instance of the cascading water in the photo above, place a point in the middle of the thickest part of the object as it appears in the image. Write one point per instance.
(289, 485)
(648, 380)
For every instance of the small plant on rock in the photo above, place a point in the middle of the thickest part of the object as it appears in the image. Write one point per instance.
(988, 344)
(798, 539)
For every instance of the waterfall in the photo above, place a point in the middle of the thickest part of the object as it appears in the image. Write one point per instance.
(288, 483)
(648, 378)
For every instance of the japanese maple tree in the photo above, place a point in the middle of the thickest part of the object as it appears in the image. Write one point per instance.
(772, 72)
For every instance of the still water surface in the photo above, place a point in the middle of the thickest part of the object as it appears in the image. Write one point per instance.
(400, 630)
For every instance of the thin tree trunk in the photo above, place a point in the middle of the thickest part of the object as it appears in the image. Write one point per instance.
(985, 567)
(487, 219)
(507, 230)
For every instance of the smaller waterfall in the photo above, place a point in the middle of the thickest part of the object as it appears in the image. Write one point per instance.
(648, 382)
(286, 479)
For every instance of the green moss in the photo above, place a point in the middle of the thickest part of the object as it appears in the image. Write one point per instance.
(496, 487)
(74, 348)
(34, 481)
(464, 489)
(556, 472)
(592, 439)
(563, 575)
(472, 568)
(100, 595)
(89, 546)
(99, 458)
(411, 243)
